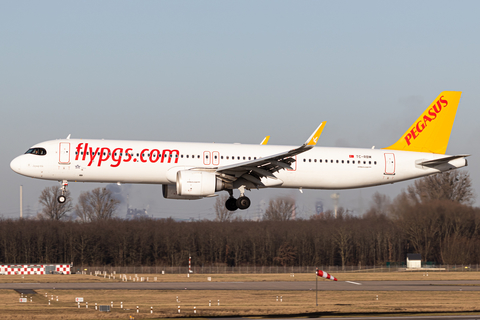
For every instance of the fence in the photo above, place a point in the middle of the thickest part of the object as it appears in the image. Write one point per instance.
(260, 269)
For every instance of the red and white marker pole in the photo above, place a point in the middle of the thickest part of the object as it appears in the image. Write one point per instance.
(323, 274)
(189, 264)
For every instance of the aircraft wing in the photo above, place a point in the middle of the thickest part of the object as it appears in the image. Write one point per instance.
(254, 170)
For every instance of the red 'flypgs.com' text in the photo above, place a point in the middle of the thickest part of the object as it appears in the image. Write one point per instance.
(104, 154)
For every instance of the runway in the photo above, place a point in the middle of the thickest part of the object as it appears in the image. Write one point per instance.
(457, 285)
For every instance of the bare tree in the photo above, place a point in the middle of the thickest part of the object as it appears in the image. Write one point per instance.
(380, 205)
(286, 254)
(451, 185)
(98, 204)
(280, 209)
(221, 212)
(52, 209)
(343, 239)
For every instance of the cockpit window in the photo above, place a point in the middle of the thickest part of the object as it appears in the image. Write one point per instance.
(37, 151)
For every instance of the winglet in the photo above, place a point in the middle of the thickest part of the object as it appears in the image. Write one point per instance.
(265, 140)
(313, 139)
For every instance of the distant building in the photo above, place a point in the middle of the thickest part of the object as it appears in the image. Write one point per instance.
(134, 213)
(414, 260)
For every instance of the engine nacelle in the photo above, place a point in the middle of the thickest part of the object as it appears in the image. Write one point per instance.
(170, 192)
(198, 183)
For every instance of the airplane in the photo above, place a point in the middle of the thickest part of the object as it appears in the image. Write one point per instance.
(192, 171)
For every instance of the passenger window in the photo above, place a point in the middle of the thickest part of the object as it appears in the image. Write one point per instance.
(309, 160)
(315, 160)
(369, 162)
(374, 162)
(337, 161)
(348, 161)
(304, 160)
(320, 160)
(343, 161)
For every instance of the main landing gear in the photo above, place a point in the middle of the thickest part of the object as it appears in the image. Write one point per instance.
(62, 198)
(241, 203)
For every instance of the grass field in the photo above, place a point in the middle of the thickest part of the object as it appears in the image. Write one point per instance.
(236, 303)
(232, 303)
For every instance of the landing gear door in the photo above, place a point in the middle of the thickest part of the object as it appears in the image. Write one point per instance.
(64, 155)
(389, 164)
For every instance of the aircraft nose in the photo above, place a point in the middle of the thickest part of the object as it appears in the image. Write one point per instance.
(16, 165)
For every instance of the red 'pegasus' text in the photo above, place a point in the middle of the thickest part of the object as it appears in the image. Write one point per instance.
(422, 124)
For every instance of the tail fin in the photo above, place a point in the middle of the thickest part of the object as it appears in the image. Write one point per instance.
(431, 131)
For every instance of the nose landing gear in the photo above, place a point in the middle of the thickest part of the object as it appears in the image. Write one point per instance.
(62, 198)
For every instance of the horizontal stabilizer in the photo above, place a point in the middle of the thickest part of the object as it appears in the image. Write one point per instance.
(442, 160)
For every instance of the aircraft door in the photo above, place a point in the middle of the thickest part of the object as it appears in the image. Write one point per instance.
(389, 164)
(64, 156)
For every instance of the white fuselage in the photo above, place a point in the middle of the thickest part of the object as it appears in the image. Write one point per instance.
(117, 161)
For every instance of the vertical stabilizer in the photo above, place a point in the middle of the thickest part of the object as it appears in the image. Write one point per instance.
(431, 131)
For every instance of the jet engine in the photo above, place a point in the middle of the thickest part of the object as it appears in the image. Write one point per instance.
(198, 183)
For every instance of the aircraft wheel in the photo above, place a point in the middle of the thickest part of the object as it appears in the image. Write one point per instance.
(61, 199)
(243, 203)
(231, 204)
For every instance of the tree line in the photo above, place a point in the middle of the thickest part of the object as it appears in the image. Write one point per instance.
(433, 217)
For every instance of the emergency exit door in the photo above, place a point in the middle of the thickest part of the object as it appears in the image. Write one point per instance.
(64, 156)
(389, 163)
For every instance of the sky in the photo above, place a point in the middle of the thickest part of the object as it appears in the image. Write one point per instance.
(231, 71)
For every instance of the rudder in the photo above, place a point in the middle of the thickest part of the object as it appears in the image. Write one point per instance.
(431, 132)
